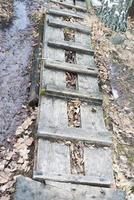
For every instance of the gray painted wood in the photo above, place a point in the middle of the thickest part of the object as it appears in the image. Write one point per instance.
(69, 45)
(75, 26)
(29, 189)
(98, 162)
(68, 5)
(94, 98)
(82, 39)
(90, 136)
(77, 179)
(69, 67)
(52, 113)
(54, 33)
(64, 13)
(85, 60)
(92, 117)
(53, 163)
(53, 77)
(53, 158)
(88, 84)
(50, 33)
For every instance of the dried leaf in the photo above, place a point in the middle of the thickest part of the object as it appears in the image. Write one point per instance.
(4, 177)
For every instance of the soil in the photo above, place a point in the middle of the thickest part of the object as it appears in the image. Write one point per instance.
(17, 44)
(114, 58)
(6, 12)
(18, 41)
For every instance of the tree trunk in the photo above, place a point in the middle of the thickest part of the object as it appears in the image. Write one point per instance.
(114, 13)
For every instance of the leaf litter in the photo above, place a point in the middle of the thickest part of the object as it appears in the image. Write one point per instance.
(17, 159)
(73, 111)
(118, 117)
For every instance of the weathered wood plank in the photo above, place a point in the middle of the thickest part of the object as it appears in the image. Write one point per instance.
(53, 77)
(52, 113)
(84, 39)
(98, 162)
(88, 84)
(53, 123)
(53, 163)
(62, 66)
(29, 189)
(64, 13)
(86, 180)
(99, 138)
(86, 60)
(74, 26)
(95, 99)
(53, 158)
(50, 33)
(67, 5)
(92, 117)
(69, 45)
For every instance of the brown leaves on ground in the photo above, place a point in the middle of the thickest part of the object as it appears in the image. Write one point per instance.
(121, 122)
(71, 80)
(70, 57)
(73, 112)
(17, 159)
(69, 35)
(6, 11)
(77, 158)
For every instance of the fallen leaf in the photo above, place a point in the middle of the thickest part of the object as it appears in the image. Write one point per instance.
(4, 178)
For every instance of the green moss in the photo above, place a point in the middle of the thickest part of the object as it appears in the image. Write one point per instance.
(66, 30)
(42, 91)
(131, 159)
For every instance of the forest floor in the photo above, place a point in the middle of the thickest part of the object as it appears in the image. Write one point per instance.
(114, 57)
(19, 36)
(6, 11)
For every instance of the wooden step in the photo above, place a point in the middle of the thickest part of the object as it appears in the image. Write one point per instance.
(72, 46)
(71, 68)
(53, 163)
(102, 138)
(64, 13)
(77, 27)
(53, 122)
(29, 189)
(72, 179)
(95, 99)
(78, 8)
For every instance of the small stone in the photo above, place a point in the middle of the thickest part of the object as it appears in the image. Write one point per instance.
(118, 39)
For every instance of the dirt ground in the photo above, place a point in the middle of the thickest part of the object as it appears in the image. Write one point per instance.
(18, 40)
(6, 11)
(114, 58)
